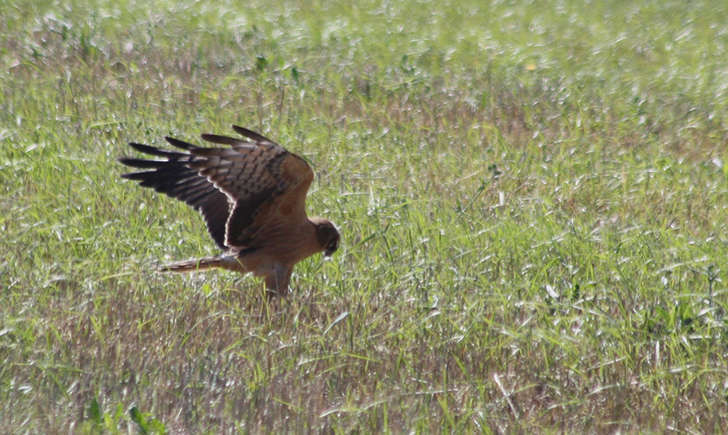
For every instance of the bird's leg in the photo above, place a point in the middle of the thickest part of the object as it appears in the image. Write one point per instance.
(277, 281)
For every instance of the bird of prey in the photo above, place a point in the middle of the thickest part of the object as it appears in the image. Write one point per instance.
(252, 194)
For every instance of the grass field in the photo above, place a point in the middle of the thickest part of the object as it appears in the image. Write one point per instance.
(533, 198)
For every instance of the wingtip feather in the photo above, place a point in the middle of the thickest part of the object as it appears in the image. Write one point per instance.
(223, 140)
(179, 143)
(136, 175)
(250, 134)
(146, 149)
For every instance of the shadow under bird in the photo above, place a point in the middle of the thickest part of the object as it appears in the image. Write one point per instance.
(252, 195)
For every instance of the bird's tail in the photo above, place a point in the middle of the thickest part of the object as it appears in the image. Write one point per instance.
(221, 261)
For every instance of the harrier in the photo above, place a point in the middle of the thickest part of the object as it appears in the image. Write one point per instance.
(252, 194)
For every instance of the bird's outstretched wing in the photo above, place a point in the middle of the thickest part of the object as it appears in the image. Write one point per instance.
(240, 189)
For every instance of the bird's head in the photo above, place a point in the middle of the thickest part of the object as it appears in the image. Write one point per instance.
(328, 236)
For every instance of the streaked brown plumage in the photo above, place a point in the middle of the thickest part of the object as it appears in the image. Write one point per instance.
(252, 194)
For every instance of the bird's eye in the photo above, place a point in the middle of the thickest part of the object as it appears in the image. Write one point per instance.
(333, 246)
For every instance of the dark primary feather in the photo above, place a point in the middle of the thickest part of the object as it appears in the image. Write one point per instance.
(250, 134)
(173, 178)
(180, 144)
(223, 140)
